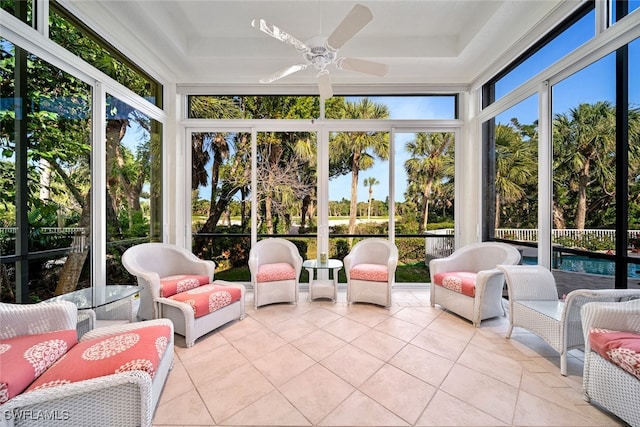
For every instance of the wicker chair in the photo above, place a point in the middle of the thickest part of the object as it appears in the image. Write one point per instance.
(376, 255)
(127, 398)
(276, 253)
(149, 262)
(534, 305)
(481, 260)
(603, 382)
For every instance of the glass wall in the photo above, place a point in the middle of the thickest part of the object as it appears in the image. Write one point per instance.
(80, 40)
(221, 200)
(593, 156)
(50, 144)
(133, 161)
(515, 177)
(45, 176)
(567, 37)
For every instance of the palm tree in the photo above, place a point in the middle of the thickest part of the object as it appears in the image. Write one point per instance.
(430, 162)
(370, 182)
(584, 149)
(357, 151)
(516, 166)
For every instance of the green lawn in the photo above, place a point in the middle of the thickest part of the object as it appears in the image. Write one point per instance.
(405, 273)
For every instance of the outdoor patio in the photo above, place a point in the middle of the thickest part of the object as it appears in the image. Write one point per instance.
(320, 363)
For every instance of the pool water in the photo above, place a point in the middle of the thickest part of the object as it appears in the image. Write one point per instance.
(582, 264)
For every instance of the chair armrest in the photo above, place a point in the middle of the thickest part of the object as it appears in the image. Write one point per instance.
(28, 319)
(529, 283)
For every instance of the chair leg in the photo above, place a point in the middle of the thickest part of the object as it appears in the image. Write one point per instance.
(509, 331)
(563, 363)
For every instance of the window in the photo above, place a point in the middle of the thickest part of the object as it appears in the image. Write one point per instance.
(77, 38)
(558, 44)
(45, 176)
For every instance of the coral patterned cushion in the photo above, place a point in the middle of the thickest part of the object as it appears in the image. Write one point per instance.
(136, 350)
(208, 298)
(25, 358)
(463, 282)
(172, 285)
(275, 271)
(369, 272)
(621, 348)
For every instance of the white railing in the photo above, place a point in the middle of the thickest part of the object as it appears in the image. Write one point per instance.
(443, 246)
(79, 234)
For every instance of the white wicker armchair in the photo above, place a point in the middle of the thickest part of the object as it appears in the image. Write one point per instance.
(603, 382)
(371, 251)
(124, 399)
(149, 262)
(534, 305)
(480, 258)
(274, 251)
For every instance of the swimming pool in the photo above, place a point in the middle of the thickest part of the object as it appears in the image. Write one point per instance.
(582, 264)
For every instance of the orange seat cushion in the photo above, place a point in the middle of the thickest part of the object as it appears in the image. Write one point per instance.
(275, 271)
(463, 282)
(208, 298)
(620, 348)
(172, 285)
(370, 272)
(139, 349)
(25, 358)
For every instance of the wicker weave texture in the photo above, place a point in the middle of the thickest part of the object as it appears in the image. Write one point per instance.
(534, 305)
(122, 399)
(269, 251)
(371, 251)
(603, 382)
(480, 258)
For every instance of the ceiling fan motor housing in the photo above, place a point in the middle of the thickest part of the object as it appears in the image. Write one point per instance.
(319, 54)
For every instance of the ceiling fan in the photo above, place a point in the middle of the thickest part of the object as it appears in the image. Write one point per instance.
(319, 52)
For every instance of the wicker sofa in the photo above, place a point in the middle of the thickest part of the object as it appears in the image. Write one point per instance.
(125, 398)
(604, 381)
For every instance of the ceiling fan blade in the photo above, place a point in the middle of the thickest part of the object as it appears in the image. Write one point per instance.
(324, 84)
(359, 16)
(363, 66)
(277, 33)
(283, 73)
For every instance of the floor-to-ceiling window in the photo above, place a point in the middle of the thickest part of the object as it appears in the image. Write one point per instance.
(370, 181)
(45, 177)
(62, 126)
(586, 147)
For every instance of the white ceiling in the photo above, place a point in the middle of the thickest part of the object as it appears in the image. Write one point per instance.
(428, 42)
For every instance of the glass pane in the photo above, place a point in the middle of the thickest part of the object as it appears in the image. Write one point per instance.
(633, 226)
(45, 176)
(424, 194)
(567, 41)
(80, 40)
(584, 156)
(358, 187)
(221, 201)
(393, 107)
(253, 107)
(516, 176)
(21, 9)
(134, 183)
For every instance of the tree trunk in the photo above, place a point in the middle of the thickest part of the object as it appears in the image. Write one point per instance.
(496, 222)
(558, 217)
(306, 201)
(72, 269)
(353, 206)
(581, 208)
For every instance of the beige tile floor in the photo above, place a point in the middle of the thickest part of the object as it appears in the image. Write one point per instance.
(329, 364)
